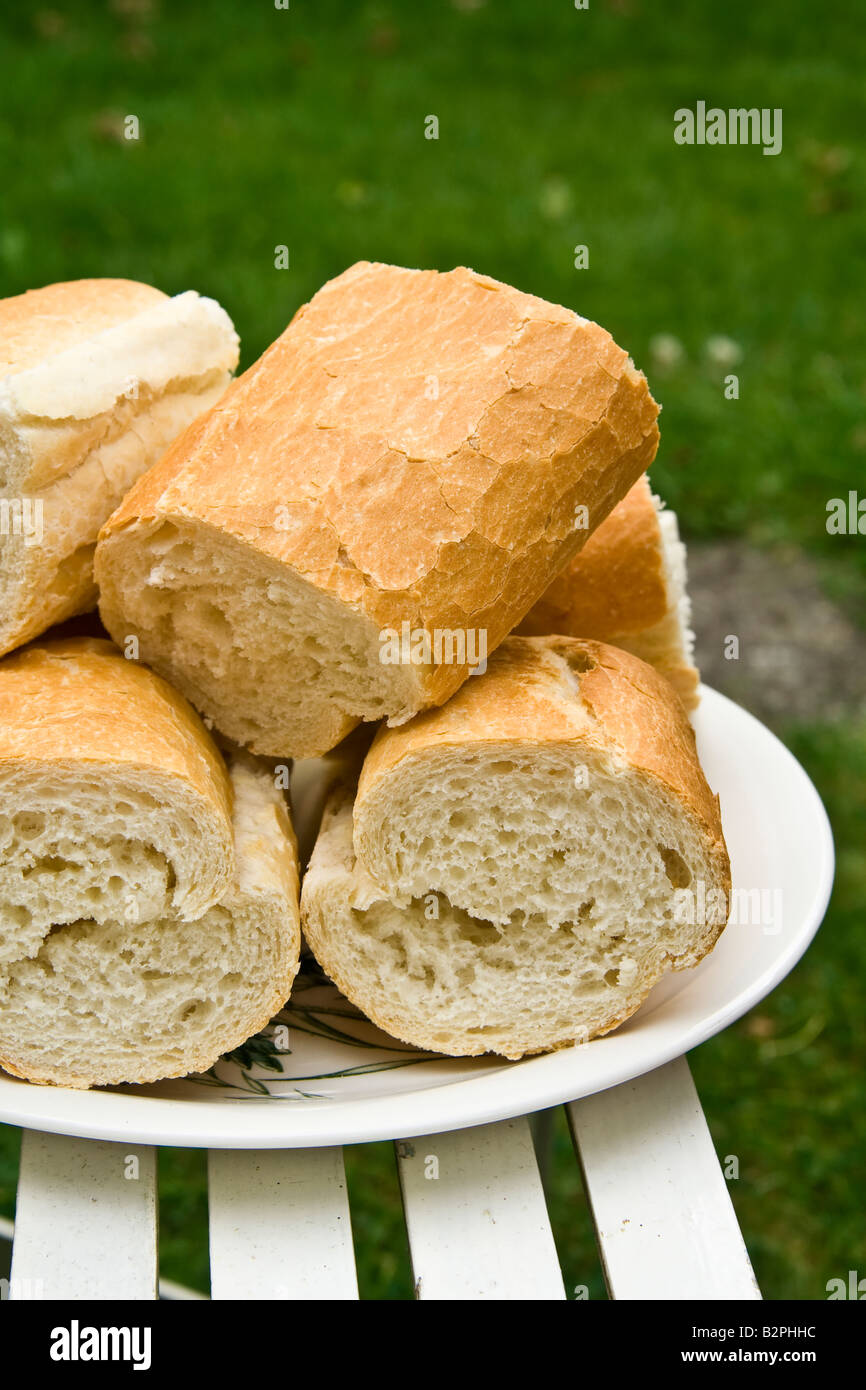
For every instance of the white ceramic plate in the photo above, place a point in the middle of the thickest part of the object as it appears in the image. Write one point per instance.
(342, 1081)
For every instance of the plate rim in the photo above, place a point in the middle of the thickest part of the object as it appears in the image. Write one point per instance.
(460, 1104)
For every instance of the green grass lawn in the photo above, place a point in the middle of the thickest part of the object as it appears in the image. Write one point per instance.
(305, 127)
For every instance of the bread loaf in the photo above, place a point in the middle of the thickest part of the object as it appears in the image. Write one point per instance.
(148, 894)
(518, 866)
(96, 378)
(627, 586)
(371, 508)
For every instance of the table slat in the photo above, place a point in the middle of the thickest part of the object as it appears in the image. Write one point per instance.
(85, 1220)
(664, 1218)
(280, 1226)
(476, 1215)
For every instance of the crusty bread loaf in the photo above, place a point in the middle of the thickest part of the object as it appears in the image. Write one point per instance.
(516, 871)
(628, 587)
(419, 453)
(148, 895)
(97, 377)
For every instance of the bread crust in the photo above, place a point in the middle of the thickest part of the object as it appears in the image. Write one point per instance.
(482, 417)
(41, 323)
(77, 704)
(616, 590)
(97, 377)
(612, 701)
(615, 586)
(79, 701)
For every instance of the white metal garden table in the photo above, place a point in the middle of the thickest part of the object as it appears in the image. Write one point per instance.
(280, 1224)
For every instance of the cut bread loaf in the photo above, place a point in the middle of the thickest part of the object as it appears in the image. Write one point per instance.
(419, 453)
(628, 587)
(97, 377)
(148, 894)
(516, 871)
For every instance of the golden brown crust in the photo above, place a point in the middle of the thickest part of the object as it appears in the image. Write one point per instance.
(616, 590)
(686, 681)
(615, 585)
(41, 323)
(480, 416)
(562, 690)
(79, 701)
